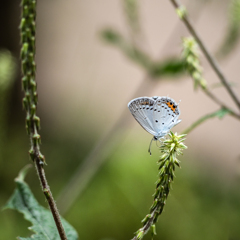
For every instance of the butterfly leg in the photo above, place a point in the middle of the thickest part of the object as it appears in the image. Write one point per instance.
(149, 149)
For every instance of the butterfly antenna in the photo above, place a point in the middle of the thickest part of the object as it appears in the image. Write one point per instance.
(149, 149)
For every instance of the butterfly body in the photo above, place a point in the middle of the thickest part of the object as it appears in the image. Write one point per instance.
(157, 115)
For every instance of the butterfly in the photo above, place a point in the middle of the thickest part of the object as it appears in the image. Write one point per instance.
(157, 115)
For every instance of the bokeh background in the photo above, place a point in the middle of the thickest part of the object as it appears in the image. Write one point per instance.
(98, 168)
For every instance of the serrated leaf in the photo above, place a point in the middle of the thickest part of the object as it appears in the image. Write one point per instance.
(43, 225)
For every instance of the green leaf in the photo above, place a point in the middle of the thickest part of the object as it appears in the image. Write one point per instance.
(169, 67)
(41, 218)
(222, 112)
(111, 36)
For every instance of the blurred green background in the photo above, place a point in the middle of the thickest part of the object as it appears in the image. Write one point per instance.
(84, 85)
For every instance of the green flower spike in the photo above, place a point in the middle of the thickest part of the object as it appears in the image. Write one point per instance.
(170, 149)
(190, 55)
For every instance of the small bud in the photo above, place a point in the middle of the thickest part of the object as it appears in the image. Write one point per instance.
(25, 10)
(24, 83)
(22, 24)
(25, 104)
(181, 145)
(28, 97)
(30, 57)
(37, 121)
(177, 162)
(203, 83)
(42, 159)
(34, 4)
(32, 42)
(36, 139)
(196, 75)
(146, 218)
(161, 165)
(172, 146)
(140, 234)
(24, 66)
(28, 123)
(46, 193)
(28, 33)
(153, 228)
(181, 12)
(33, 109)
(163, 157)
(156, 192)
(154, 204)
(33, 85)
(24, 49)
(32, 154)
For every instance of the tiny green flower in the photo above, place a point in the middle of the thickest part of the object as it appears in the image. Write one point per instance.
(181, 12)
(190, 54)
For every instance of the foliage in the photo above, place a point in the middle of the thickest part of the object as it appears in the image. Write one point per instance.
(156, 69)
(43, 226)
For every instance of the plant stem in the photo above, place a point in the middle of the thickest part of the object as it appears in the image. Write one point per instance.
(219, 113)
(209, 57)
(27, 28)
(215, 99)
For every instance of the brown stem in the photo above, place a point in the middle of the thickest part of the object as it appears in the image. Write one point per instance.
(28, 49)
(49, 197)
(207, 54)
(39, 162)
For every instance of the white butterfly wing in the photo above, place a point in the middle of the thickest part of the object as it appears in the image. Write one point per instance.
(142, 110)
(165, 114)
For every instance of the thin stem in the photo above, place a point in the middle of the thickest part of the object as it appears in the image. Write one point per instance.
(216, 100)
(209, 57)
(198, 122)
(28, 30)
(204, 118)
(49, 197)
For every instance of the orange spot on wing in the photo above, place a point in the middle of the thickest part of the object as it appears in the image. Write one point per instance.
(171, 106)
